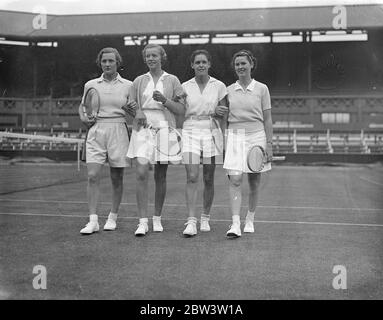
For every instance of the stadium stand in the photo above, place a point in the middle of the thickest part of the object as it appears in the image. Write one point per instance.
(327, 97)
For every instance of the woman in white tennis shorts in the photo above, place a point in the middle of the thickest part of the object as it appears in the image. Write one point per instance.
(249, 123)
(156, 94)
(107, 139)
(201, 136)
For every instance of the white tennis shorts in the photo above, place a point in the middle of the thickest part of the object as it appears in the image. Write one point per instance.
(238, 144)
(108, 142)
(200, 138)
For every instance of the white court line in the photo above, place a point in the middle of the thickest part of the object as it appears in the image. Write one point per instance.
(371, 181)
(217, 220)
(184, 205)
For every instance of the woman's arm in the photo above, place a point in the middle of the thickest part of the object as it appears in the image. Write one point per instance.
(222, 110)
(134, 95)
(175, 107)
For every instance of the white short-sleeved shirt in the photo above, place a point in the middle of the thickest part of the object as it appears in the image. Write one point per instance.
(113, 95)
(200, 104)
(247, 106)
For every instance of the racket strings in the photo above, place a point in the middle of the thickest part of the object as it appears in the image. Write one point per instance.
(92, 103)
(167, 140)
(256, 159)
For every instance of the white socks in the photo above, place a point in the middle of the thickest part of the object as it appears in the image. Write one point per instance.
(250, 216)
(93, 217)
(192, 219)
(112, 216)
(144, 220)
(236, 219)
(157, 218)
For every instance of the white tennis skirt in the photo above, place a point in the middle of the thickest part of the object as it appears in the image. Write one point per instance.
(143, 145)
(238, 144)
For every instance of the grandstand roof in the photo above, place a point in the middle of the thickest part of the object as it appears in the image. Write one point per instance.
(19, 25)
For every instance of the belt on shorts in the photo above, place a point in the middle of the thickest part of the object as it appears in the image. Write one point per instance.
(204, 117)
(111, 119)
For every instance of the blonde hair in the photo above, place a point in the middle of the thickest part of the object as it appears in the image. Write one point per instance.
(163, 54)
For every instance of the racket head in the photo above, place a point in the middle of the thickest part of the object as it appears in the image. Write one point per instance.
(91, 103)
(256, 158)
(168, 141)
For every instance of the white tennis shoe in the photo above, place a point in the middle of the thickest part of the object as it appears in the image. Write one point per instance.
(110, 225)
(249, 227)
(142, 229)
(205, 227)
(234, 231)
(91, 226)
(191, 228)
(157, 226)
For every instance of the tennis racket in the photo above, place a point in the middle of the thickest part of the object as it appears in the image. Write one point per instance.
(90, 108)
(91, 104)
(166, 140)
(256, 158)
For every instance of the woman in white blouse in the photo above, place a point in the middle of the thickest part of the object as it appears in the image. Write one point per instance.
(201, 136)
(156, 93)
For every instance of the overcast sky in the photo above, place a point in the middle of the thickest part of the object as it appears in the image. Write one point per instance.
(111, 6)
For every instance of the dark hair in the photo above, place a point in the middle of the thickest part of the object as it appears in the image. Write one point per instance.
(164, 56)
(247, 54)
(200, 51)
(109, 50)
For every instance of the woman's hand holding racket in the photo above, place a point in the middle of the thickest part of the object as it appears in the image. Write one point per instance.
(90, 107)
(140, 119)
(269, 152)
(257, 157)
(88, 121)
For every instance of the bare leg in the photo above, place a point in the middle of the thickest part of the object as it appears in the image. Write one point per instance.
(160, 193)
(93, 188)
(191, 191)
(142, 173)
(235, 194)
(254, 183)
(208, 191)
(117, 176)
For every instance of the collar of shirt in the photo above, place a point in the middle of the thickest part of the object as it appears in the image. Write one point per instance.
(211, 79)
(250, 87)
(165, 74)
(118, 78)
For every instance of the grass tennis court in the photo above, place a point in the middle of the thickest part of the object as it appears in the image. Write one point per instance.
(309, 219)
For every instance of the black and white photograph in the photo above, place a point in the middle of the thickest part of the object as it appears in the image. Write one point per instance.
(191, 156)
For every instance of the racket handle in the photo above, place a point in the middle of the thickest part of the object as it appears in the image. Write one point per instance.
(279, 158)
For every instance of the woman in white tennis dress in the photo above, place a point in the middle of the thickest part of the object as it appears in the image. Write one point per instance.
(249, 123)
(156, 93)
(202, 136)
